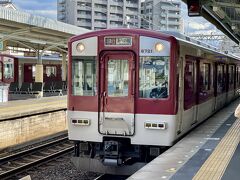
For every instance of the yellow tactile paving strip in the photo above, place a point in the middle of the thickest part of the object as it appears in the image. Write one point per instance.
(216, 164)
(26, 107)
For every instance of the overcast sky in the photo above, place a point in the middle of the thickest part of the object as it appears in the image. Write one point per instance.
(48, 8)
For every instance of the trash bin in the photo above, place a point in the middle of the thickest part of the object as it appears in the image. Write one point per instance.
(3, 93)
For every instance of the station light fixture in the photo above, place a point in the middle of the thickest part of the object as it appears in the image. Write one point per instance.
(80, 47)
(219, 12)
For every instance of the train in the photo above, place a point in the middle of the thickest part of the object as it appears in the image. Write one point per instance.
(133, 93)
(22, 69)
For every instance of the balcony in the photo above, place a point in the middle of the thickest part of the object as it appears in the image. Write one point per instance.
(172, 15)
(133, 21)
(115, 25)
(100, 9)
(171, 8)
(62, 1)
(175, 23)
(133, 5)
(85, 1)
(84, 23)
(102, 2)
(116, 3)
(116, 18)
(85, 8)
(100, 17)
(86, 16)
(61, 9)
(131, 12)
(100, 25)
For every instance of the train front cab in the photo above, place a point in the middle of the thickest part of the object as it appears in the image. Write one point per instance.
(122, 97)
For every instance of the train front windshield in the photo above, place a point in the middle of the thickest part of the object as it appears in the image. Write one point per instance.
(84, 76)
(154, 77)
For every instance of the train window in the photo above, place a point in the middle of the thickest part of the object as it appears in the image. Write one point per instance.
(231, 74)
(84, 76)
(205, 78)
(8, 70)
(238, 72)
(189, 84)
(220, 79)
(1, 73)
(154, 77)
(118, 78)
(51, 71)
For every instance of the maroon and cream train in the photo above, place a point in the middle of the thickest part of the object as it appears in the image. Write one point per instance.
(133, 92)
(22, 69)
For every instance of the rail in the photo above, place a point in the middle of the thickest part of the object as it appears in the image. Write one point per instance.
(16, 163)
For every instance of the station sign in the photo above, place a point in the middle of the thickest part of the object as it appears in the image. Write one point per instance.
(29, 54)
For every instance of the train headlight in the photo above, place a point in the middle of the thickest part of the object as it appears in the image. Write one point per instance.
(80, 47)
(159, 47)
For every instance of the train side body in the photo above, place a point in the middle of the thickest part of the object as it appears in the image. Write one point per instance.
(133, 93)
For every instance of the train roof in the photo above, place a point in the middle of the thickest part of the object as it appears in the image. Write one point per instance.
(44, 58)
(186, 39)
(166, 35)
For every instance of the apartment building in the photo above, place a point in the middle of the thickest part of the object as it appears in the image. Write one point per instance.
(7, 4)
(100, 14)
(161, 15)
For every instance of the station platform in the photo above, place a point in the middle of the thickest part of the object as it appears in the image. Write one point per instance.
(210, 151)
(20, 108)
(24, 122)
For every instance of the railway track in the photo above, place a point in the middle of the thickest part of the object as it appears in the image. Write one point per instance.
(16, 163)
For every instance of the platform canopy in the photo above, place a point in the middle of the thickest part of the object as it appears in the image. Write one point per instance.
(21, 29)
(224, 14)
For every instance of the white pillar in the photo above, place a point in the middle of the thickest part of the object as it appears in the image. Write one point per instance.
(39, 71)
(64, 67)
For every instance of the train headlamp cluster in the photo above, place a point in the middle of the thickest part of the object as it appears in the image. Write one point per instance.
(81, 122)
(80, 47)
(159, 47)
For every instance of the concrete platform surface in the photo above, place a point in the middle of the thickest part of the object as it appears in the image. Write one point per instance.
(14, 109)
(209, 152)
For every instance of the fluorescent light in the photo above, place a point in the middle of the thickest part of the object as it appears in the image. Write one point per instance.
(219, 12)
(35, 41)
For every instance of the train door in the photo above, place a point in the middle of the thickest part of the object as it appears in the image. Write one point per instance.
(190, 92)
(117, 89)
(28, 73)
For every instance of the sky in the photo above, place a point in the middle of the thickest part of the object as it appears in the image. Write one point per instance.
(48, 8)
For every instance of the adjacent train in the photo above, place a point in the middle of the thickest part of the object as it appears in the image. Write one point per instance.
(22, 69)
(133, 93)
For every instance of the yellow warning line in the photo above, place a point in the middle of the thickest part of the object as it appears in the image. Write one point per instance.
(216, 164)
